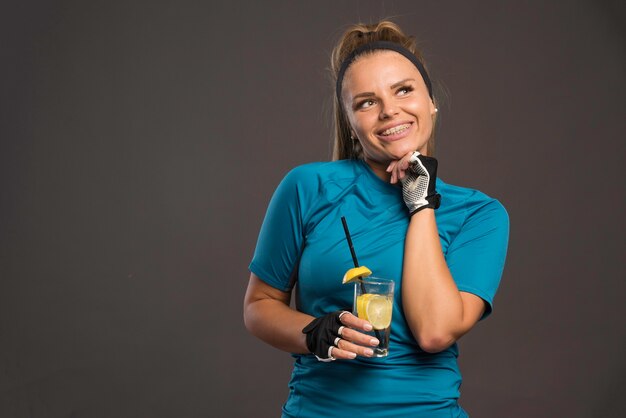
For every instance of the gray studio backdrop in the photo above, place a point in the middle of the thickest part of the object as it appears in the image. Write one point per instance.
(142, 140)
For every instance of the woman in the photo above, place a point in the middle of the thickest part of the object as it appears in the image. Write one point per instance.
(443, 245)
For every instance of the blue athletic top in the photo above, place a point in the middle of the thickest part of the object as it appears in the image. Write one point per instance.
(302, 242)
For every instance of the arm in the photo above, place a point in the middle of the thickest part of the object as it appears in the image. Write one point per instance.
(267, 315)
(436, 312)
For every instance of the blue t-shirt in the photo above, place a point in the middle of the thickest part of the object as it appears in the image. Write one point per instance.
(302, 241)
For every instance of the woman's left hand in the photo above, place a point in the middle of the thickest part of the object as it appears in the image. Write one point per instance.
(418, 174)
(398, 168)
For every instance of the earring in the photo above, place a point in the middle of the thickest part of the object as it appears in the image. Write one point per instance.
(436, 110)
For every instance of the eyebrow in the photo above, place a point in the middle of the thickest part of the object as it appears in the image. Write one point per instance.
(393, 86)
(399, 83)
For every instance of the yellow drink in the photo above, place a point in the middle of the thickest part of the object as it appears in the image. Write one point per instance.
(373, 301)
(376, 309)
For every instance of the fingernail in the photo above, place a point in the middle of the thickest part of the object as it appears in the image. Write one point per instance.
(369, 352)
(367, 327)
(373, 341)
(352, 355)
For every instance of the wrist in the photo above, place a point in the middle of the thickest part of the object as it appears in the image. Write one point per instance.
(426, 212)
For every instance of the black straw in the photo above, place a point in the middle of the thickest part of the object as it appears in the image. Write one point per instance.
(345, 229)
(356, 264)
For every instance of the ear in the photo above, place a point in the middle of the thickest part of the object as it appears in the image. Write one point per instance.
(433, 108)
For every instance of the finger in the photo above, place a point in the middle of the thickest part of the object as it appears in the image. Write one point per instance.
(395, 174)
(391, 166)
(350, 351)
(338, 353)
(358, 337)
(354, 322)
(400, 175)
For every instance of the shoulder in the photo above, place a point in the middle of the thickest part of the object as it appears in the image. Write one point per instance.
(324, 169)
(314, 176)
(471, 204)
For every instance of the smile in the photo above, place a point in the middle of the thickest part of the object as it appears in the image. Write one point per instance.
(396, 129)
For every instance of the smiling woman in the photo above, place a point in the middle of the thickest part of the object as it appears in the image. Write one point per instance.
(388, 107)
(446, 268)
(363, 40)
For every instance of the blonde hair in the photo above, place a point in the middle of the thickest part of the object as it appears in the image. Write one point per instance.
(345, 147)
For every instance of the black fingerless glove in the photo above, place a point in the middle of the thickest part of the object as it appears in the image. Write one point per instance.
(321, 334)
(418, 185)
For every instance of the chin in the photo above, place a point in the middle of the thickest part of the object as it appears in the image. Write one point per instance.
(402, 150)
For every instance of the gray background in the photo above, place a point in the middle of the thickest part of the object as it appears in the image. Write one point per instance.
(141, 142)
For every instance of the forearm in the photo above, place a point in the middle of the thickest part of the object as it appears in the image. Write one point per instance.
(432, 303)
(277, 324)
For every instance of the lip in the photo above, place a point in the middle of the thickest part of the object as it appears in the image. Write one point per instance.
(396, 136)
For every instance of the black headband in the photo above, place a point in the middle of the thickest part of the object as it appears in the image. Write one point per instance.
(392, 46)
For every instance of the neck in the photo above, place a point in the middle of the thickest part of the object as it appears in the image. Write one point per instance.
(379, 169)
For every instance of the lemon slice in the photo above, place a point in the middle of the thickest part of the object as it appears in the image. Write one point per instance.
(376, 309)
(356, 273)
(361, 304)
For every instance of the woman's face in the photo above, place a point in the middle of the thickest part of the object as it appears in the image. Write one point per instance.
(388, 106)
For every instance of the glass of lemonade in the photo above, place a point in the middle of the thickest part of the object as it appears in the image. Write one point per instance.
(373, 301)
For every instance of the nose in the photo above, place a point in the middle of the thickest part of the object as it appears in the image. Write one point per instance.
(388, 109)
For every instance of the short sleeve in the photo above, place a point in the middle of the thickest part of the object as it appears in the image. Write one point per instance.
(476, 256)
(280, 240)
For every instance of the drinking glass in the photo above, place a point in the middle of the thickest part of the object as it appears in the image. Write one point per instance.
(373, 301)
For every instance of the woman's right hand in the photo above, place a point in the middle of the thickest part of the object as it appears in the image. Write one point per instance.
(335, 335)
(353, 342)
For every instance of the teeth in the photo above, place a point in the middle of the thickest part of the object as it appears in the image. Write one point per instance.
(396, 129)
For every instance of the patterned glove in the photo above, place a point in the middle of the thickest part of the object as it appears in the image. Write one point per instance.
(323, 333)
(418, 185)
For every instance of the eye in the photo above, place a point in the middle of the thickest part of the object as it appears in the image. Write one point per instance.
(364, 104)
(404, 90)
